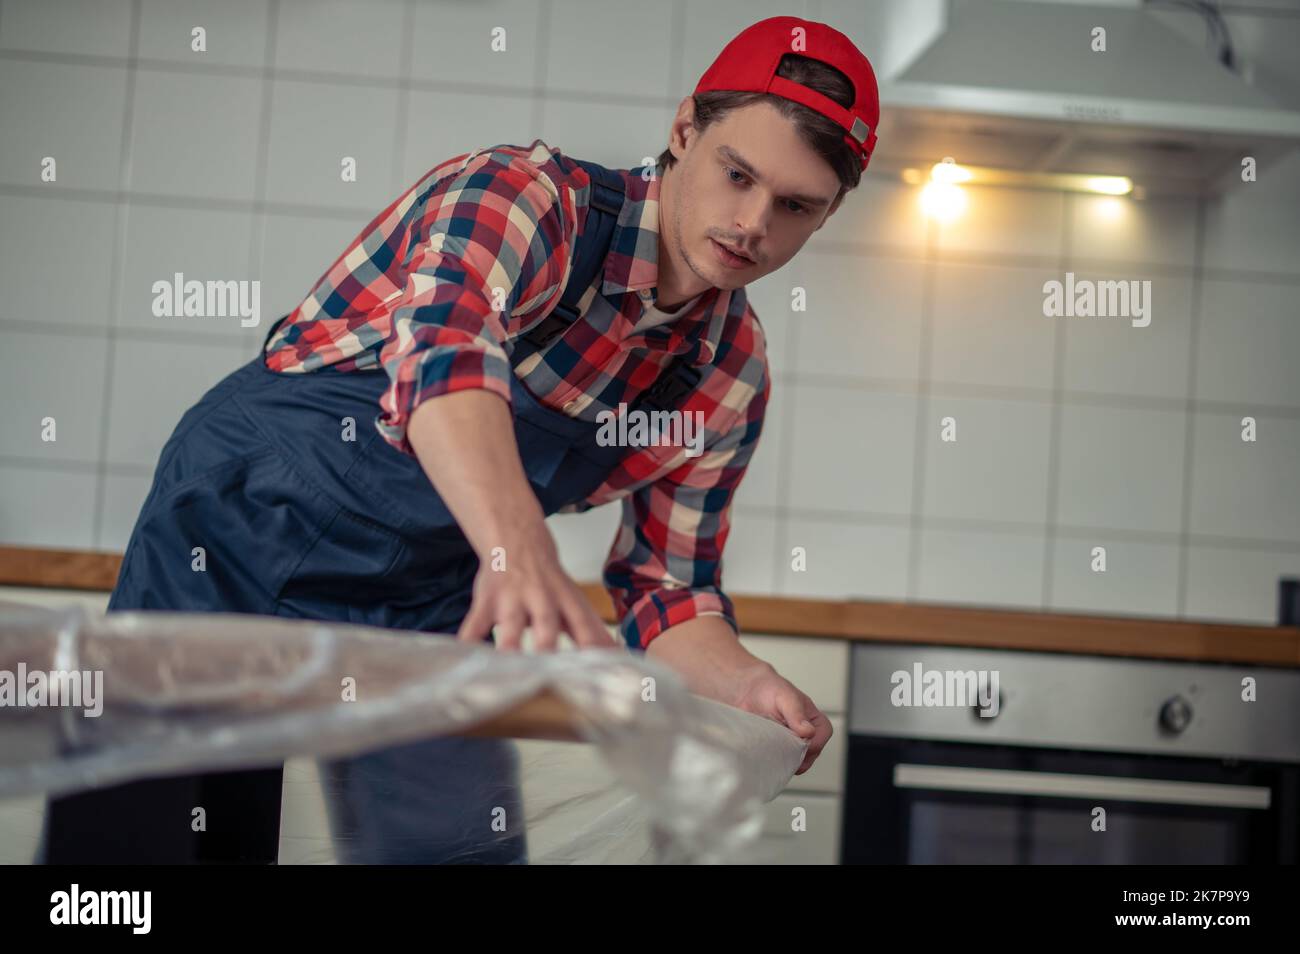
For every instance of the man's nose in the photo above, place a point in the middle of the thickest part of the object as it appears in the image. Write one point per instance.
(752, 219)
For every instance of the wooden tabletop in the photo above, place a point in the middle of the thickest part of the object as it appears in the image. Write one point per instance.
(870, 621)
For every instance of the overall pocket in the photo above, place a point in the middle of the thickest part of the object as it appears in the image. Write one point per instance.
(223, 540)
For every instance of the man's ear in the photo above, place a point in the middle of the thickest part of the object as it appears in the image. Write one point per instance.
(831, 211)
(683, 127)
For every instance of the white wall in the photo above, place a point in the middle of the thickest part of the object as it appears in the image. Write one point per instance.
(1071, 435)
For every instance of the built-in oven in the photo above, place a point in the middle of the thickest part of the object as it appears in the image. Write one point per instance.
(1064, 759)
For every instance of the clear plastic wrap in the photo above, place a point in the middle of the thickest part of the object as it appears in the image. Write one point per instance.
(680, 778)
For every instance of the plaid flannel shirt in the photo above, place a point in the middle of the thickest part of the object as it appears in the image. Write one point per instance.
(420, 293)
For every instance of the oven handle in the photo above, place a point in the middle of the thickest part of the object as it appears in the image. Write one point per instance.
(1057, 785)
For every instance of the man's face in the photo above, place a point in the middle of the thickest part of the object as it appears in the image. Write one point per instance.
(747, 182)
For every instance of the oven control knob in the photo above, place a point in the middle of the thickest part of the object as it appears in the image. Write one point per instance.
(1175, 714)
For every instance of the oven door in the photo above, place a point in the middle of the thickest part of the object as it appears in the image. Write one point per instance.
(912, 801)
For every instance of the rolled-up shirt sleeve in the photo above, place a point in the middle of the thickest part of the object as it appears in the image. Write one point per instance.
(493, 244)
(665, 566)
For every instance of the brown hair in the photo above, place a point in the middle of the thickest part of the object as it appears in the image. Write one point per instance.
(823, 136)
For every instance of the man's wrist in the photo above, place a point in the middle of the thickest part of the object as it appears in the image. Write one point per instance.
(707, 654)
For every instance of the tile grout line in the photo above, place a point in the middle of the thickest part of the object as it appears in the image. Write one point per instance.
(675, 59)
(541, 68)
(406, 57)
(117, 268)
(921, 424)
(1060, 344)
(794, 328)
(1189, 426)
(261, 172)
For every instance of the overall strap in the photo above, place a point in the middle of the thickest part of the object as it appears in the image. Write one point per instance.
(591, 249)
(680, 377)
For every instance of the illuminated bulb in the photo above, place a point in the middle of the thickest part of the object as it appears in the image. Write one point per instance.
(1109, 208)
(1110, 185)
(949, 172)
(943, 201)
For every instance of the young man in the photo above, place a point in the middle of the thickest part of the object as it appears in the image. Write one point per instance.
(491, 317)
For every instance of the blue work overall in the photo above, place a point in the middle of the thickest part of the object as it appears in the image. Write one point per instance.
(294, 520)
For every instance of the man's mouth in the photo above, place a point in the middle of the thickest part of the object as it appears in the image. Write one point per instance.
(730, 256)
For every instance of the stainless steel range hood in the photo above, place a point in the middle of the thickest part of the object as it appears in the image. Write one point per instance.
(1017, 86)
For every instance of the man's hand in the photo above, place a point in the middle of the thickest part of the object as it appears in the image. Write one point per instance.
(465, 442)
(707, 655)
(771, 695)
(532, 591)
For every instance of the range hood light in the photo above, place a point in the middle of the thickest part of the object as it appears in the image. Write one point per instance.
(948, 171)
(1110, 185)
(943, 201)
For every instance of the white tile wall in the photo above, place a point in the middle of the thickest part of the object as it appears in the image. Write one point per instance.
(56, 376)
(1113, 356)
(611, 134)
(70, 112)
(1140, 579)
(440, 125)
(362, 37)
(984, 313)
(1253, 228)
(1242, 488)
(903, 317)
(30, 268)
(1120, 468)
(1229, 584)
(880, 213)
(869, 435)
(749, 560)
(236, 31)
(863, 317)
(1007, 222)
(980, 568)
(93, 27)
(203, 245)
(1250, 337)
(471, 54)
(195, 135)
(583, 47)
(309, 141)
(1158, 230)
(123, 497)
(47, 508)
(996, 467)
(153, 385)
(844, 560)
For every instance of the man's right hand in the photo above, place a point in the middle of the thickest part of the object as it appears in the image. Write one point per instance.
(523, 586)
(465, 441)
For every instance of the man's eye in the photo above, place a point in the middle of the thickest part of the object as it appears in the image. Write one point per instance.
(791, 206)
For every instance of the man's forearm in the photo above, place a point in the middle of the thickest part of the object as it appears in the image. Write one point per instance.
(705, 652)
(465, 442)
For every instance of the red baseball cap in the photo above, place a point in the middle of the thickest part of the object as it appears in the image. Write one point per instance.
(748, 64)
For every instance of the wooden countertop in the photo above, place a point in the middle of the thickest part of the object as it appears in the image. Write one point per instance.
(849, 619)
